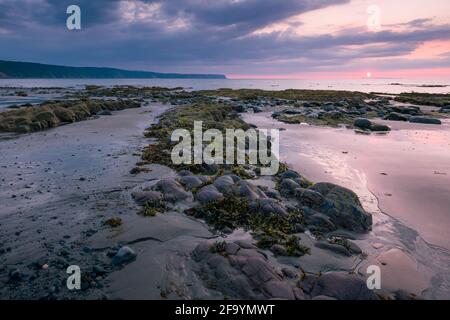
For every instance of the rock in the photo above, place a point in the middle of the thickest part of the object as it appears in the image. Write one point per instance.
(288, 187)
(342, 286)
(341, 250)
(379, 127)
(172, 190)
(143, 197)
(309, 197)
(269, 206)
(272, 193)
(225, 184)
(425, 120)
(362, 123)
(343, 207)
(123, 256)
(249, 191)
(245, 244)
(393, 116)
(191, 181)
(289, 273)
(104, 113)
(279, 289)
(185, 173)
(279, 250)
(208, 194)
(200, 251)
(289, 174)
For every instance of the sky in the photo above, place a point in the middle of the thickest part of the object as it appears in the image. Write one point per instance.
(282, 39)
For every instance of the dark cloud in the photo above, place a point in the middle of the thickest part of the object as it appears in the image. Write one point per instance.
(193, 35)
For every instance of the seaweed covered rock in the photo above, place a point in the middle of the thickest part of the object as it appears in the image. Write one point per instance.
(208, 194)
(172, 190)
(240, 271)
(143, 197)
(51, 114)
(339, 204)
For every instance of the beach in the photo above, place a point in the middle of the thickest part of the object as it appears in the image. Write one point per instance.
(70, 195)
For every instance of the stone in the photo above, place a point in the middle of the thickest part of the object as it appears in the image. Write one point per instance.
(342, 286)
(289, 174)
(279, 289)
(249, 191)
(190, 181)
(342, 206)
(393, 116)
(225, 184)
(362, 123)
(123, 256)
(172, 190)
(208, 194)
(425, 120)
(143, 197)
(288, 186)
(279, 250)
(379, 127)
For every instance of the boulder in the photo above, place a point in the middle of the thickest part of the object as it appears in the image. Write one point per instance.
(123, 256)
(362, 123)
(172, 190)
(143, 197)
(425, 120)
(342, 286)
(190, 182)
(225, 184)
(342, 206)
(208, 194)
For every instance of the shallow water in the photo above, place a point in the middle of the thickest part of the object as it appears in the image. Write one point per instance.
(402, 178)
(363, 85)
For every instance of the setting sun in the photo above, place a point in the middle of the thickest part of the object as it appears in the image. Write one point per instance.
(369, 74)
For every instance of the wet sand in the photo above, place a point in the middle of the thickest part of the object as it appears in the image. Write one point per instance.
(403, 179)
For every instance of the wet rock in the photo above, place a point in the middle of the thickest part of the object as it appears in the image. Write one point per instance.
(249, 191)
(279, 250)
(172, 190)
(362, 123)
(342, 206)
(309, 197)
(104, 113)
(191, 181)
(143, 197)
(208, 194)
(268, 206)
(289, 174)
(379, 127)
(288, 186)
(185, 173)
(338, 249)
(342, 286)
(393, 116)
(225, 184)
(123, 256)
(279, 290)
(425, 120)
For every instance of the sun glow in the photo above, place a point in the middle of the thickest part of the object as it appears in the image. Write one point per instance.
(368, 74)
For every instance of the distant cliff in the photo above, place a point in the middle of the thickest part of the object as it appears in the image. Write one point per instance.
(13, 69)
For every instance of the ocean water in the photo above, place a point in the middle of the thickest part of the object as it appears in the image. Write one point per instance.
(393, 86)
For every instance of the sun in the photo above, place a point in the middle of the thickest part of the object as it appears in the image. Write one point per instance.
(368, 74)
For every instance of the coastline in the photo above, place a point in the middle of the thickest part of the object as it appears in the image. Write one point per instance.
(154, 238)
